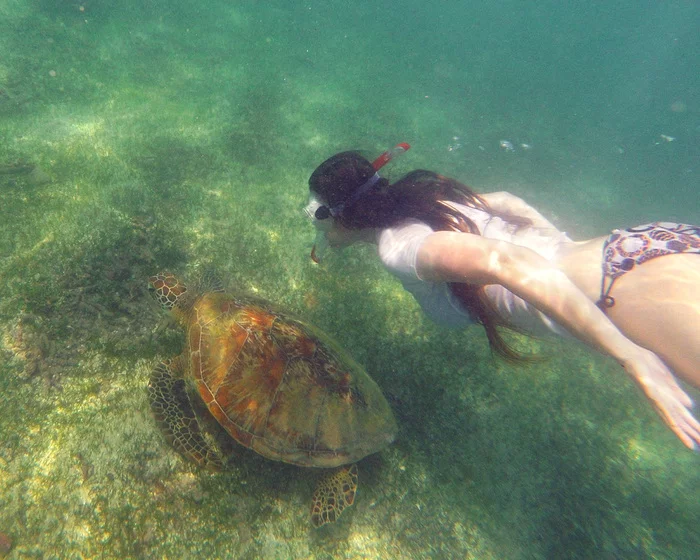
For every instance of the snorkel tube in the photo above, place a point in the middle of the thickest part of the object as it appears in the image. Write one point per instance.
(390, 154)
(321, 243)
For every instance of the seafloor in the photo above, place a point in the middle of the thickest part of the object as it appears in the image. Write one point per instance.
(131, 143)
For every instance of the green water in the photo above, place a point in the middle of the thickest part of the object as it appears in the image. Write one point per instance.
(137, 136)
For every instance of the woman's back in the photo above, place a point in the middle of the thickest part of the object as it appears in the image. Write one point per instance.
(398, 247)
(580, 261)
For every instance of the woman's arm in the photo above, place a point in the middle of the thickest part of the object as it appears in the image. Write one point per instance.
(504, 202)
(459, 257)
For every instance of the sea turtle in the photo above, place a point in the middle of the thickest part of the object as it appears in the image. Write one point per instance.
(275, 385)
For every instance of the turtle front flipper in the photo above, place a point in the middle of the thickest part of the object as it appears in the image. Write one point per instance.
(334, 492)
(175, 416)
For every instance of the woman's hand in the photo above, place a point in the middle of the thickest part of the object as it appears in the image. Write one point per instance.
(670, 401)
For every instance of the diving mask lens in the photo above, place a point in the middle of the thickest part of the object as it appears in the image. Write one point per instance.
(322, 213)
(311, 207)
(318, 213)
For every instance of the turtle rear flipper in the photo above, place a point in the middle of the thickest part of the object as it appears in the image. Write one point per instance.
(335, 491)
(175, 415)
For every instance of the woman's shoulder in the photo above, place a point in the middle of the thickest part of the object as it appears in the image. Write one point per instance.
(398, 245)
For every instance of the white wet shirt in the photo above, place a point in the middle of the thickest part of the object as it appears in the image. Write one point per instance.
(398, 249)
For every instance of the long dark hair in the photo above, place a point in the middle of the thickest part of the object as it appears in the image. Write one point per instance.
(420, 195)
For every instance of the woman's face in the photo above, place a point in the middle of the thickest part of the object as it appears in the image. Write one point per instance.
(339, 236)
(330, 233)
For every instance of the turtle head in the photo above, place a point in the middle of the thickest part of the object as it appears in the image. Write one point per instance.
(167, 290)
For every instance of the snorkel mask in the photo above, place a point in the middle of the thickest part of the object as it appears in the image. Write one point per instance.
(319, 212)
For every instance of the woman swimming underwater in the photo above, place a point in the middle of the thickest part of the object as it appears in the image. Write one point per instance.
(494, 260)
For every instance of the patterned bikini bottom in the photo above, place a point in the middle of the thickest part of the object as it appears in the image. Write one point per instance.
(627, 248)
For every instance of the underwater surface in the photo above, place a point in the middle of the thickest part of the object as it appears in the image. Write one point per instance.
(138, 136)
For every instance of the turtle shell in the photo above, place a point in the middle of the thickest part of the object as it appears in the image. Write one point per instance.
(283, 388)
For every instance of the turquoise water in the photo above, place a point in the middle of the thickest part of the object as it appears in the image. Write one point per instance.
(140, 136)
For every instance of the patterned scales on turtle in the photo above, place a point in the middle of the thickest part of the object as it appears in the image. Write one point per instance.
(276, 385)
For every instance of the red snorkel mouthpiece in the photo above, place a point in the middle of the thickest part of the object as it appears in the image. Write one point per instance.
(390, 154)
(313, 255)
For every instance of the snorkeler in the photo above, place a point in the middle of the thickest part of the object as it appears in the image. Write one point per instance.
(494, 260)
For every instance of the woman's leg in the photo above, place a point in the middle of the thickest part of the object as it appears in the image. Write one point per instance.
(657, 305)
